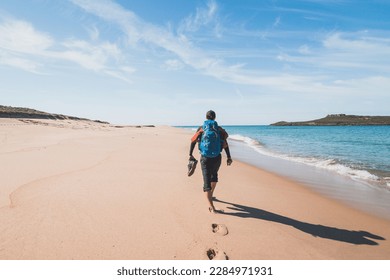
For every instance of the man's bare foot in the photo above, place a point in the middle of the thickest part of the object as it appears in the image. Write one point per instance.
(215, 211)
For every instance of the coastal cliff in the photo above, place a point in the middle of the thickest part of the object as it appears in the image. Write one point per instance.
(340, 120)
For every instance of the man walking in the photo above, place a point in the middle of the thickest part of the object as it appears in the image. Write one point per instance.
(211, 139)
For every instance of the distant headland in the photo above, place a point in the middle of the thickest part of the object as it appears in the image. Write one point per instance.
(340, 120)
(8, 112)
(27, 113)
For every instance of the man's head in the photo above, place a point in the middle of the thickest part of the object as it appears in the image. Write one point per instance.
(210, 115)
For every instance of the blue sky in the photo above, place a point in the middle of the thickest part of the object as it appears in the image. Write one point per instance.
(168, 62)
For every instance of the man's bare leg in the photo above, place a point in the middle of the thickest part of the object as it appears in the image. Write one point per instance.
(213, 186)
(209, 197)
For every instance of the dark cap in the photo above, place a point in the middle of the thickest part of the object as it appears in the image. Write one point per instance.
(210, 115)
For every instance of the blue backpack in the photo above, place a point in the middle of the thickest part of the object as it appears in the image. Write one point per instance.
(210, 143)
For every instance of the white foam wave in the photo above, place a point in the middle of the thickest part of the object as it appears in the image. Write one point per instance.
(247, 140)
(346, 170)
(387, 180)
(327, 164)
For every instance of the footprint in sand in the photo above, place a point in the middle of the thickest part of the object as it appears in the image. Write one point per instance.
(215, 254)
(219, 229)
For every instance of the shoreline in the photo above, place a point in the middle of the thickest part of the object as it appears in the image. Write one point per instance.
(356, 194)
(72, 190)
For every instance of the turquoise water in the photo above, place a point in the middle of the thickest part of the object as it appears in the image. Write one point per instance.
(349, 163)
(359, 152)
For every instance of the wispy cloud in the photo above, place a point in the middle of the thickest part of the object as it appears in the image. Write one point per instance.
(113, 12)
(176, 49)
(20, 36)
(183, 50)
(203, 17)
(20, 43)
(90, 56)
(18, 62)
(277, 21)
(357, 42)
(341, 50)
(24, 47)
(93, 32)
(312, 14)
(173, 64)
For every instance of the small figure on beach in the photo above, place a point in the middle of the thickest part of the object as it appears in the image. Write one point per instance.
(211, 139)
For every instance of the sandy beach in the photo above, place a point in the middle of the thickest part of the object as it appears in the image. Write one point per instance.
(84, 190)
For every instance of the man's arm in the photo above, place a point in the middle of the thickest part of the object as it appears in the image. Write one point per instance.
(227, 151)
(192, 146)
(225, 145)
(194, 140)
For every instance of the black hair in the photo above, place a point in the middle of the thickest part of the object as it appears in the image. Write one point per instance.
(210, 115)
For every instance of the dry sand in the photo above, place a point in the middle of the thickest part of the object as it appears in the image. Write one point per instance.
(82, 190)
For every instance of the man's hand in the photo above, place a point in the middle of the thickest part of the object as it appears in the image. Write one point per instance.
(229, 161)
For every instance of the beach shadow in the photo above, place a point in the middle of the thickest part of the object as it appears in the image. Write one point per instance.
(342, 235)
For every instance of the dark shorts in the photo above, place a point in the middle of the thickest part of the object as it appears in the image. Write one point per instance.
(210, 167)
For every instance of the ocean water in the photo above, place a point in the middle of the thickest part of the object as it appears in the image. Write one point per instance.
(359, 152)
(350, 163)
